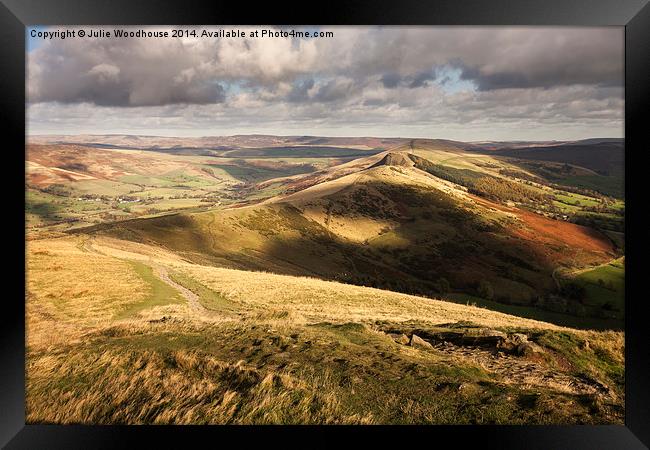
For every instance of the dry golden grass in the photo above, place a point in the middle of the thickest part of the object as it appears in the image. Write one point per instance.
(82, 286)
(292, 351)
(181, 387)
(69, 288)
(312, 299)
(318, 300)
(72, 288)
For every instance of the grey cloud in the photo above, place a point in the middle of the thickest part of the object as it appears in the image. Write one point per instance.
(417, 80)
(334, 90)
(391, 80)
(129, 73)
(422, 79)
(504, 57)
(324, 92)
(554, 113)
(493, 58)
(300, 90)
(508, 80)
(499, 80)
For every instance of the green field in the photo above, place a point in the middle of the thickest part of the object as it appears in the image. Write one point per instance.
(605, 285)
(572, 199)
(184, 180)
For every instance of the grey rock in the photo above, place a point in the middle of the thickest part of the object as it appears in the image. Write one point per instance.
(487, 332)
(418, 342)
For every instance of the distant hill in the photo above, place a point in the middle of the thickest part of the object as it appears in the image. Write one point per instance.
(215, 142)
(565, 163)
(607, 158)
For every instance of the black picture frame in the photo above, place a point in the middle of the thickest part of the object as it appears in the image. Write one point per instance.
(16, 15)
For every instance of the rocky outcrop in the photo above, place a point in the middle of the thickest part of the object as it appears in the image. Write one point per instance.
(514, 343)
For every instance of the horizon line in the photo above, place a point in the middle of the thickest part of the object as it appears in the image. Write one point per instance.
(27, 135)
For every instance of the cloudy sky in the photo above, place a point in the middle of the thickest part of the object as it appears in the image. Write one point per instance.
(463, 83)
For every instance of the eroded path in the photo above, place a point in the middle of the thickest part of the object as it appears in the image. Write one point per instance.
(193, 300)
(191, 297)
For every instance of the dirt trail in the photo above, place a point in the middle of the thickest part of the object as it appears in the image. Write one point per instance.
(192, 299)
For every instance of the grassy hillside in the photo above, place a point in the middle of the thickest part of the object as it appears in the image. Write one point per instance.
(605, 158)
(602, 287)
(278, 349)
(556, 189)
(301, 279)
(391, 227)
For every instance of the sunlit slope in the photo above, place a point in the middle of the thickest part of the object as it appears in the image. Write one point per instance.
(395, 227)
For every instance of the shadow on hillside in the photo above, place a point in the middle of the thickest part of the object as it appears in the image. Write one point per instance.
(433, 239)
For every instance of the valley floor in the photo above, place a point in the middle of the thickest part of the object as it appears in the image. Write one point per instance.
(127, 333)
